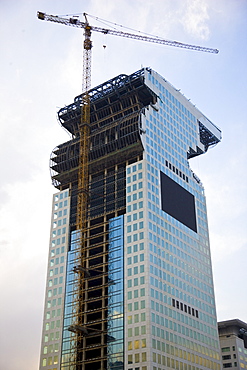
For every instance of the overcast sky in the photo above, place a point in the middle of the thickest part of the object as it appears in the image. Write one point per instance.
(41, 71)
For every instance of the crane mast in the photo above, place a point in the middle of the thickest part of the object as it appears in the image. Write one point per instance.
(78, 327)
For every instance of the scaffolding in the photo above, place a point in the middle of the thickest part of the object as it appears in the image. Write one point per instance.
(114, 141)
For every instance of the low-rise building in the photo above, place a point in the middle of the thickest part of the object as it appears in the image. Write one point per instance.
(233, 343)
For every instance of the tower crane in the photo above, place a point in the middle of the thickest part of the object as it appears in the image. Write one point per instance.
(83, 135)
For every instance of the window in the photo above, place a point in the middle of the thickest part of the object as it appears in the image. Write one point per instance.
(226, 357)
(144, 343)
(136, 318)
(136, 306)
(136, 344)
(142, 292)
(137, 357)
(228, 364)
(136, 330)
(225, 349)
(143, 316)
(142, 304)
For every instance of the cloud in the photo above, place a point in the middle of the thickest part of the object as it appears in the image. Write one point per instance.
(195, 19)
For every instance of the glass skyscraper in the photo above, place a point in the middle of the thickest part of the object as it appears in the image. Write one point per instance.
(145, 291)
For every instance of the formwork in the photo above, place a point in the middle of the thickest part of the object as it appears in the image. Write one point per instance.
(116, 109)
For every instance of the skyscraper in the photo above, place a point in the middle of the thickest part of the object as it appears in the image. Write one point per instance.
(139, 294)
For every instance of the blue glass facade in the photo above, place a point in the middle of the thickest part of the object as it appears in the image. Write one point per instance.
(115, 325)
(68, 344)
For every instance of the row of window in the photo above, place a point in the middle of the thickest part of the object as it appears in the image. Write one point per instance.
(137, 293)
(183, 307)
(59, 223)
(134, 168)
(56, 261)
(50, 361)
(55, 281)
(53, 313)
(51, 348)
(136, 331)
(135, 281)
(56, 271)
(56, 291)
(134, 206)
(134, 216)
(59, 232)
(135, 237)
(137, 306)
(52, 325)
(229, 364)
(61, 195)
(228, 349)
(57, 251)
(137, 344)
(135, 227)
(134, 197)
(60, 213)
(135, 270)
(134, 248)
(135, 259)
(60, 205)
(137, 357)
(52, 336)
(54, 302)
(58, 241)
(134, 319)
(134, 178)
(134, 187)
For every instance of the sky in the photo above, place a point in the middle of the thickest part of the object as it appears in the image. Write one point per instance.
(41, 71)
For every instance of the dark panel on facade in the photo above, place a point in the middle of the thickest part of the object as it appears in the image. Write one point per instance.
(178, 202)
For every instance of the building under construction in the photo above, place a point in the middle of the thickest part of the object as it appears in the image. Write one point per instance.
(129, 282)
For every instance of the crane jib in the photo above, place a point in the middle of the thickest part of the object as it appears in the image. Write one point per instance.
(74, 22)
